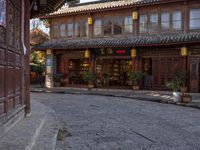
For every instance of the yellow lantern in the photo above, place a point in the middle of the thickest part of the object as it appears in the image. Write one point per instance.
(87, 54)
(89, 20)
(134, 15)
(184, 51)
(133, 53)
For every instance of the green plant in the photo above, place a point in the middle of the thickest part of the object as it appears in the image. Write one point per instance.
(135, 77)
(88, 76)
(178, 81)
(57, 78)
(175, 86)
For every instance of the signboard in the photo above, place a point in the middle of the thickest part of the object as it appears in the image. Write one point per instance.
(114, 52)
(48, 62)
(3, 13)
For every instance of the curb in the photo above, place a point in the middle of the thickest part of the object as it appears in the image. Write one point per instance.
(157, 100)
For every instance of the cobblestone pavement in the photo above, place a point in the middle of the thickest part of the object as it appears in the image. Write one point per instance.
(111, 123)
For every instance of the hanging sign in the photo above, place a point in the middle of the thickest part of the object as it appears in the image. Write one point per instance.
(114, 51)
(3, 13)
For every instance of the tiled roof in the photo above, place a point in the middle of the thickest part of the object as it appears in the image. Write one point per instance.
(134, 41)
(101, 5)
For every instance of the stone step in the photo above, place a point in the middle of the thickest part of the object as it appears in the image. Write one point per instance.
(26, 134)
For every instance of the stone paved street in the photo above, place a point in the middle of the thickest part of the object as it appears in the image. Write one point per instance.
(111, 123)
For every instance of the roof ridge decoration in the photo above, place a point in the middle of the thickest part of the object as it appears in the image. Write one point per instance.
(66, 9)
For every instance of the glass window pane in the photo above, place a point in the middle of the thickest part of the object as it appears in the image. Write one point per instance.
(85, 29)
(70, 29)
(165, 21)
(128, 24)
(62, 30)
(195, 19)
(107, 26)
(97, 27)
(55, 31)
(118, 23)
(77, 29)
(153, 22)
(177, 20)
(143, 23)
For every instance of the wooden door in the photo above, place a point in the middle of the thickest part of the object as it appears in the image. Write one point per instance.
(194, 74)
(163, 70)
(11, 56)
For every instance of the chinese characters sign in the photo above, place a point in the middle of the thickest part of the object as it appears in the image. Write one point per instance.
(114, 51)
(3, 13)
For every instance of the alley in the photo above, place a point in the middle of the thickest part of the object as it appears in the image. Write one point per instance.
(111, 123)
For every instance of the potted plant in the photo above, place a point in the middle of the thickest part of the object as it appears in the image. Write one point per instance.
(135, 78)
(178, 84)
(57, 79)
(89, 77)
(175, 87)
(180, 76)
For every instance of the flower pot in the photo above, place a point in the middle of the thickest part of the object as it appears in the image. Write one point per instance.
(136, 87)
(90, 86)
(183, 89)
(176, 96)
(186, 98)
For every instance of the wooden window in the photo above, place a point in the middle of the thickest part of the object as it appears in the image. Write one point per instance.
(153, 24)
(97, 27)
(77, 30)
(70, 29)
(118, 25)
(176, 20)
(62, 30)
(128, 24)
(107, 26)
(165, 21)
(55, 31)
(143, 23)
(195, 19)
(85, 29)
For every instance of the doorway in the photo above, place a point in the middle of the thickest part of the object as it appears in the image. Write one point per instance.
(194, 74)
(147, 70)
(112, 72)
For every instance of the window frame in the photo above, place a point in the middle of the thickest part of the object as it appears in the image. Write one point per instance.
(101, 27)
(189, 12)
(149, 22)
(130, 25)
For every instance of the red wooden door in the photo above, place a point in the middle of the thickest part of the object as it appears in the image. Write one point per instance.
(11, 58)
(194, 75)
(163, 70)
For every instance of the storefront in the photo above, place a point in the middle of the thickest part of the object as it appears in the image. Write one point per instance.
(112, 66)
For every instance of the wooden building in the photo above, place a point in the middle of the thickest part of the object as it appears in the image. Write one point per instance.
(14, 57)
(164, 35)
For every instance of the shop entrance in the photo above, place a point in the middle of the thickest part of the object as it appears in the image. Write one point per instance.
(147, 70)
(112, 72)
(194, 74)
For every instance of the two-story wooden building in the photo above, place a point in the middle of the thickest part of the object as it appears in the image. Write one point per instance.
(157, 37)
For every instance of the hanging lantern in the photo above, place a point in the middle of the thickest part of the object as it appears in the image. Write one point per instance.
(135, 15)
(184, 51)
(89, 20)
(87, 54)
(133, 53)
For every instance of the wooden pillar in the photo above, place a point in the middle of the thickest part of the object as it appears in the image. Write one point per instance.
(49, 69)
(25, 25)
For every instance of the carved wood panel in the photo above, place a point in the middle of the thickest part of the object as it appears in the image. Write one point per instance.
(11, 58)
